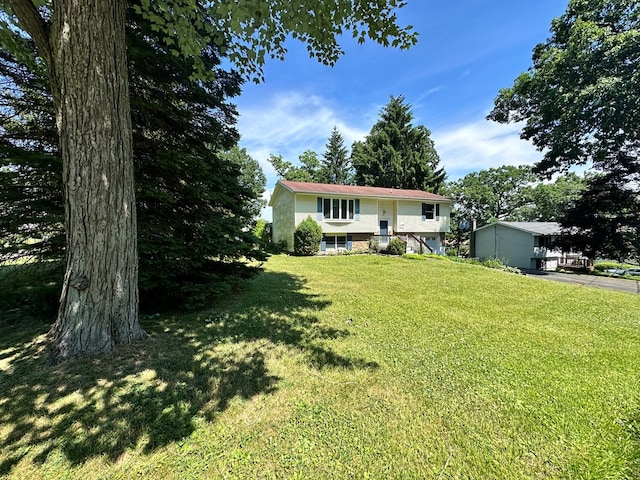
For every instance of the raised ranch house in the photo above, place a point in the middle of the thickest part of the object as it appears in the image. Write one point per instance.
(522, 244)
(352, 216)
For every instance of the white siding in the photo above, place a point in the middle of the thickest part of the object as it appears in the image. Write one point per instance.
(283, 211)
(409, 218)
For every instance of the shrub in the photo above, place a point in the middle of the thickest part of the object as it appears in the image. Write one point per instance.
(396, 247)
(262, 232)
(307, 237)
(602, 266)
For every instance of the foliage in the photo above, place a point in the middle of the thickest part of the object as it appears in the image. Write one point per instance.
(580, 102)
(577, 98)
(605, 221)
(397, 154)
(602, 266)
(250, 177)
(493, 194)
(307, 237)
(308, 171)
(316, 373)
(261, 231)
(550, 201)
(193, 207)
(333, 168)
(29, 289)
(396, 247)
(336, 164)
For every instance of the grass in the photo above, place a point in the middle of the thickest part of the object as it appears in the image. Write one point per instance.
(340, 367)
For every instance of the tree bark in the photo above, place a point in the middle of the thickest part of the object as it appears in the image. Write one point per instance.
(88, 73)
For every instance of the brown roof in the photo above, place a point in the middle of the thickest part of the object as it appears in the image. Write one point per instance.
(385, 192)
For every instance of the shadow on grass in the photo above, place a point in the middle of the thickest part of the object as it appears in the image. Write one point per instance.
(148, 395)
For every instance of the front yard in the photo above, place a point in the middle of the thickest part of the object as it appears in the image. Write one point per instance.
(344, 367)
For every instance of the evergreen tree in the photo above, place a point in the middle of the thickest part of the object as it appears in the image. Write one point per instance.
(336, 164)
(398, 154)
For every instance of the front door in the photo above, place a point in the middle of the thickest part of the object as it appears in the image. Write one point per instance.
(384, 232)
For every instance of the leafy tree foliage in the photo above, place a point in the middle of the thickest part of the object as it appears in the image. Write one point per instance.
(398, 154)
(334, 167)
(493, 194)
(195, 202)
(605, 221)
(250, 176)
(581, 104)
(550, 201)
(307, 237)
(308, 171)
(336, 164)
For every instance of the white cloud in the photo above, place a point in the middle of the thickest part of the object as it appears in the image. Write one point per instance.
(289, 123)
(481, 144)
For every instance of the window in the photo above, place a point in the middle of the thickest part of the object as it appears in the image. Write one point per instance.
(338, 209)
(430, 211)
(336, 242)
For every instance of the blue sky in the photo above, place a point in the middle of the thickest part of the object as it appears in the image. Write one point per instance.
(467, 50)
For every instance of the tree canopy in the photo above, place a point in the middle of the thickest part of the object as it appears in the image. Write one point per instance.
(398, 154)
(580, 102)
(579, 99)
(513, 194)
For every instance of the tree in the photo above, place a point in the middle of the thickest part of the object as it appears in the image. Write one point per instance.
(336, 165)
(308, 171)
(493, 194)
(605, 221)
(251, 177)
(99, 301)
(550, 201)
(396, 154)
(580, 100)
(194, 210)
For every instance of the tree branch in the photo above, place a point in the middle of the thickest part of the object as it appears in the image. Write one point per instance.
(33, 23)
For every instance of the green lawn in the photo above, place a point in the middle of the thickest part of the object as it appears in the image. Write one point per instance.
(344, 367)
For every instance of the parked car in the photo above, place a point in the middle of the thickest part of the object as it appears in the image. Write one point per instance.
(615, 271)
(624, 271)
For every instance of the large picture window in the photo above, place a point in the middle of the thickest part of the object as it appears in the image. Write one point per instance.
(338, 208)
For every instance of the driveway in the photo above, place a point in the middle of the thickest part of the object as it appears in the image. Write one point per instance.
(608, 283)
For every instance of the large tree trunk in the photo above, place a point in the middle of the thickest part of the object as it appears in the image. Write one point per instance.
(88, 70)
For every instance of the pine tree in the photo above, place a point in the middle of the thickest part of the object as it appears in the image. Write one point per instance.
(398, 154)
(336, 164)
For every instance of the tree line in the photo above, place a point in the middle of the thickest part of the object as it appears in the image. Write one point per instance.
(395, 154)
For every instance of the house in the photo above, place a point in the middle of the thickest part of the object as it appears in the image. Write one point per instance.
(521, 244)
(352, 216)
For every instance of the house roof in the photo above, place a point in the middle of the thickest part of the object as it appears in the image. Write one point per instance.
(355, 191)
(535, 228)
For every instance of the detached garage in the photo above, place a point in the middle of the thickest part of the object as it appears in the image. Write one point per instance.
(527, 245)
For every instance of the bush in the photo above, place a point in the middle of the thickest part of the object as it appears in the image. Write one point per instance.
(262, 232)
(307, 237)
(396, 247)
(602, 266)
